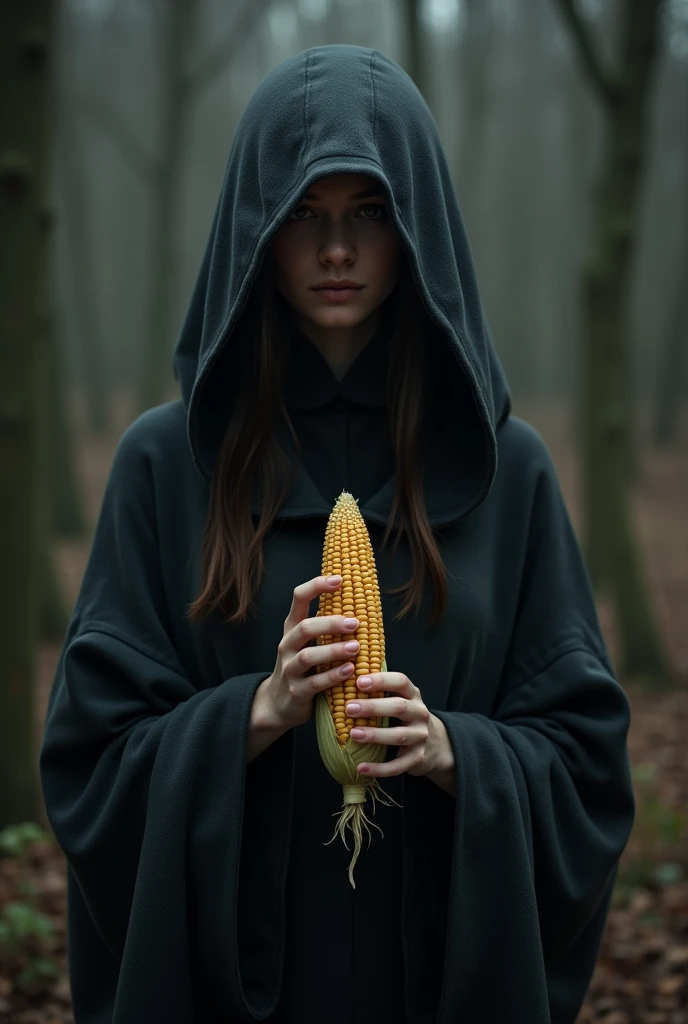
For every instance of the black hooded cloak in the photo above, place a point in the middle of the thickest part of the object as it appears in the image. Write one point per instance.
(199, 888)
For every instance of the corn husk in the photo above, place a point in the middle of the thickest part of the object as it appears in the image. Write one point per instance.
(341, 763)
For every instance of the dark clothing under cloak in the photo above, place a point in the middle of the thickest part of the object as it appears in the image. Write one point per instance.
(201, 889)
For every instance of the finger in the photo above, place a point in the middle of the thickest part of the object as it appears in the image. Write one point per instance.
(396, 681)
(303, 595)
(308, 629)
(302, 666)
(398, 736)
(324, 625)
(379, 707)
(320, 680)
(397, 766)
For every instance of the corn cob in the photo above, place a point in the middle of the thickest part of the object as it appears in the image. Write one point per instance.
(347, 552)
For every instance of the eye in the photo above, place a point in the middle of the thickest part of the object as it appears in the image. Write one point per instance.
(375, 206)
(296, 210)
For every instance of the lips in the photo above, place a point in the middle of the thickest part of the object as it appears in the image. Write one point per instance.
(336, 286)
(340, 293)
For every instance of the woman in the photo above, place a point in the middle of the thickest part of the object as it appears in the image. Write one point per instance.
(179, 764)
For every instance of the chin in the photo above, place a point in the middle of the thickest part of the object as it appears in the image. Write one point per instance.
(335, 317)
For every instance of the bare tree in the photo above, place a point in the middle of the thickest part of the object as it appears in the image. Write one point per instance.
(25, 36)
(415, 60)
(624, 93)
(184, 79)
(477, 40)
(60, 511)
(82, 268)
(672, 377)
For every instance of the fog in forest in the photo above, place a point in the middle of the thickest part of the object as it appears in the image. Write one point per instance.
(565, 126)
(150, 94)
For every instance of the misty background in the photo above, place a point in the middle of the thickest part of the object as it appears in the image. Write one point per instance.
(565, 125)
(150, 95)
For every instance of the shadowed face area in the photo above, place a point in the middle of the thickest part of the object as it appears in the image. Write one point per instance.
(339, 230)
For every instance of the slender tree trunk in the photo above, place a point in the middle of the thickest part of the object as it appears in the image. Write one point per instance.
(83, 276)
(53, 617)
(515, 256)
(610, 544)
(67, 512)
(25, 37)
(415, 63)
(672, 375)
(156, 374)
(672, 379)
(335, 28)
(579, 139)
(473, 66)
(163, 174)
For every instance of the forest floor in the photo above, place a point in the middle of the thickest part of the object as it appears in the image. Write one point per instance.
(642, 973)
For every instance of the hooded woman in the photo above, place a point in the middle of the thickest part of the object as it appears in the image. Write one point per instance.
(179, 763)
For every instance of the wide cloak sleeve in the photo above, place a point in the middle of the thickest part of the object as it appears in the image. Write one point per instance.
(144, 779)
(544, 803)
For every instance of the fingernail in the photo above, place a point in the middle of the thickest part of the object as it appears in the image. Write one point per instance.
(350, 623)
(358, 734)
(365, 681)
(333, 579)
(351, 709)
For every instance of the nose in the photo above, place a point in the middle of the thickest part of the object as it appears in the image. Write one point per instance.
(337, 248)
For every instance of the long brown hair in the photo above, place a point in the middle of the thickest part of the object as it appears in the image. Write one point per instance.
(232, 547)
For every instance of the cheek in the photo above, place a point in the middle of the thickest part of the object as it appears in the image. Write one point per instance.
(288, 260)
(387, 260)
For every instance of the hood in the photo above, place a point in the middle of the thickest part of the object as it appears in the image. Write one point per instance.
(295, 130)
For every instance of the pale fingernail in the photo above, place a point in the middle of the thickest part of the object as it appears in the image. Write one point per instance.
(358, 734)
(350, 623)
(351, 709)
(365, 681)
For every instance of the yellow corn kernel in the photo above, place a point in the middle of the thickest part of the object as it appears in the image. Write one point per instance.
(347, 552)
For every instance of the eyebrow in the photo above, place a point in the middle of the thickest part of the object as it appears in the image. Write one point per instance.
(366, 194)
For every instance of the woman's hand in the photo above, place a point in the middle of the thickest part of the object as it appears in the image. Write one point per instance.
(288, 693)
(424, 747)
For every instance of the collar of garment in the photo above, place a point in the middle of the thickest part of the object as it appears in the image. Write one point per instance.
(308, 381)
(451, 430)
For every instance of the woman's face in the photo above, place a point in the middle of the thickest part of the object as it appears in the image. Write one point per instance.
(339, 230)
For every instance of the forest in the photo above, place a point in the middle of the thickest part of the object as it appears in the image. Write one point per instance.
(565, 124)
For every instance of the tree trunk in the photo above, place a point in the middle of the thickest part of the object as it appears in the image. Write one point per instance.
(672, 379)
(82, 272)
(53, 617)
(610, 545)
(523, 242)
(25, 37)
(335, 28)
(53, 614)
(473, 67)
(415, 64)
(579, 135)
(67, 512)
(672, 373)
(156, 372)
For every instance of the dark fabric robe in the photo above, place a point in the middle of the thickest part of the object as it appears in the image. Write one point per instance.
(200, 889)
